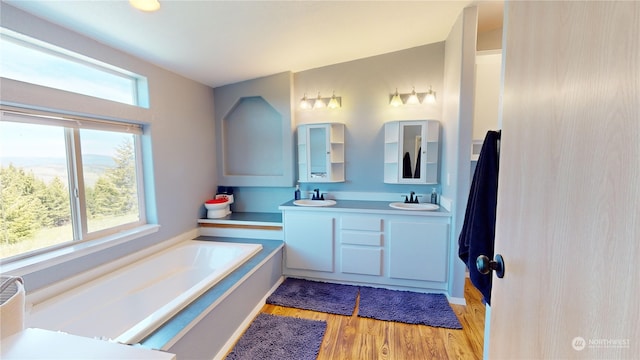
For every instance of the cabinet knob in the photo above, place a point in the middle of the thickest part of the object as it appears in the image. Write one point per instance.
(485, 265)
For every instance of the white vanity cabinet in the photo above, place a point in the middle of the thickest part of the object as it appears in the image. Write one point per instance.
(411, 152)
(321, 153)
(310, 239)
(357, 242)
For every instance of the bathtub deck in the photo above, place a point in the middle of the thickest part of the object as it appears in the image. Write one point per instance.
(167, 334)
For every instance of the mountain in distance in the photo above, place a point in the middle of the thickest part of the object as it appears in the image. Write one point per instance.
(47, 168)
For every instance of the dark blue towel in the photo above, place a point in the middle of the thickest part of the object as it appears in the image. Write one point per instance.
(416, 172)
(478, 230)
(406, 166)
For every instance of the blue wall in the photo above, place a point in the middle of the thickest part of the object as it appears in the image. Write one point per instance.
(364, 86)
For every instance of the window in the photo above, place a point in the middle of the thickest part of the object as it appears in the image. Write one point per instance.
(66, 179)
(29, 60)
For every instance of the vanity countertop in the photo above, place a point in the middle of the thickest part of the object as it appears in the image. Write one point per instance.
(380, 207)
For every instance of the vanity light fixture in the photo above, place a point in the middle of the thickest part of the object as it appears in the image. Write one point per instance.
(145, 5)
(334, 102)
(413, 98)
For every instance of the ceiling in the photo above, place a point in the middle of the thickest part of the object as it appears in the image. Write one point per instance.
(223, 42)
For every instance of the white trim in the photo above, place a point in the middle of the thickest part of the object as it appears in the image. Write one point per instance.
(457, 300)
(445, 202)
(487, 332)
(49, 259)
(40, 117)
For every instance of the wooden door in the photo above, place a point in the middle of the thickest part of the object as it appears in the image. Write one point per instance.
(568, 216)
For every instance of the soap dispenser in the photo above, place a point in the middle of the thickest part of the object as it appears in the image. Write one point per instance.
(434, 196)
(297, 192)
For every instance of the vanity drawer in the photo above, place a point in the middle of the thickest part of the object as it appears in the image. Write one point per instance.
(361, 238)
(365, 223)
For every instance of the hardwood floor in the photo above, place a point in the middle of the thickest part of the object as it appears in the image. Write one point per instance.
(351, 337)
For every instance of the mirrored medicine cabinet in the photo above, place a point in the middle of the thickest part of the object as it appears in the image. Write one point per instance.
(411, 152)
(321, 153)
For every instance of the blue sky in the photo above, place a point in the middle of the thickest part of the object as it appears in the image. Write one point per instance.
(36, 141)
(69, 72)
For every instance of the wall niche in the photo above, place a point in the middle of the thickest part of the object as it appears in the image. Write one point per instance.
(254, 135)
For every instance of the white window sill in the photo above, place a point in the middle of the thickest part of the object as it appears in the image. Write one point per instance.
(55, 257)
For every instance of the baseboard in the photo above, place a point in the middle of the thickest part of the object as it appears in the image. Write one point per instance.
(457, 300)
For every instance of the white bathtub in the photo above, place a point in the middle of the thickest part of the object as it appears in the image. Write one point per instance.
(128, 304)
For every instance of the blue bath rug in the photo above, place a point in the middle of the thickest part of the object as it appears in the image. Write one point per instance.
(279, 337)
(314, 295)
(407, 307)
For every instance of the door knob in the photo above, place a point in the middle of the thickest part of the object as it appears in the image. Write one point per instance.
(485, 265)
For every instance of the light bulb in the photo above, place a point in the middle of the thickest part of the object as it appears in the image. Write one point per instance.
(304, 103)
(319, 103)
(395, 100)
(333, 103)
(145, 5)
(413, 98)
(430, 98)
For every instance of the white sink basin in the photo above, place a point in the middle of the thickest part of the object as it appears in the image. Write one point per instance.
(307, 202)
(409, 206)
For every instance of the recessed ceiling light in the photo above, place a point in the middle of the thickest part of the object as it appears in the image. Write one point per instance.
(145, 5)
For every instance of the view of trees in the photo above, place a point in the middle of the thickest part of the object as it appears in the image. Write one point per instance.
(28, 204)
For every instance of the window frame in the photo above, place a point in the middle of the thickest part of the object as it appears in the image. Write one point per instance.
(139, 92)
(77, 194)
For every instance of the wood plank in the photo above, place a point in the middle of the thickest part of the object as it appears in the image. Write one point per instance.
(243, 226)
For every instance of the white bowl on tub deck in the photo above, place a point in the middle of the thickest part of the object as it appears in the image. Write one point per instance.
(218, 207)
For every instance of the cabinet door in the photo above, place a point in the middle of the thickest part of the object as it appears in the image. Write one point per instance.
(321, 153)
(411, 152)
(309, 239)
(418, 250)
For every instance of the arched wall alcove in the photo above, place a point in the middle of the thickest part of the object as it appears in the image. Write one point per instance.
(254, 132)
(252, 139)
